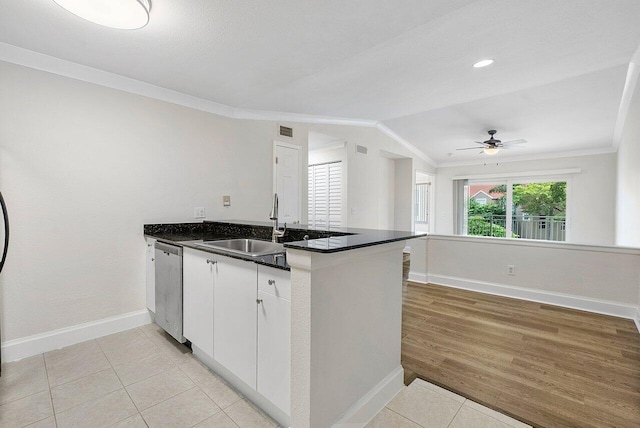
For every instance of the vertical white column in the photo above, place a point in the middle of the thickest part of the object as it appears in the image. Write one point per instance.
(346, 333)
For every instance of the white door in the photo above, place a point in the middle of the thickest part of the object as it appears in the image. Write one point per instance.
(287, 181)
(235, 317)
(197, 296)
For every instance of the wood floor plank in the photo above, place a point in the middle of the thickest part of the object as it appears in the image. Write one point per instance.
(545, 365)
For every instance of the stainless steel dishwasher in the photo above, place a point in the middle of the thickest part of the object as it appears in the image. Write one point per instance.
(169, 289)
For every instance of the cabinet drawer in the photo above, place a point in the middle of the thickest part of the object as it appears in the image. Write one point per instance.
(274, 281)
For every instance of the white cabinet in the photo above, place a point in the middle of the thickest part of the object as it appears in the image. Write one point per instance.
(151, 275)
(235, 317)
(198, 282)
(274, 336)
(239, 314)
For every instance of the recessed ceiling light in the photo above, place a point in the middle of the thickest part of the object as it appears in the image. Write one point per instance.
(120, 14)
(483, 63)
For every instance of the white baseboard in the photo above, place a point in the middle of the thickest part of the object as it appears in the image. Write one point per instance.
(24, 347)
(373, 402)
(418, 277)
(636, 319)
(566, 300)
(249, 393)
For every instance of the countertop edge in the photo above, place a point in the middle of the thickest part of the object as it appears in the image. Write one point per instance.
(186, 244)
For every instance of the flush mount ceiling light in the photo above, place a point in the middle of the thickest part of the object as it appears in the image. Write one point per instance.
(120, 14)
(483, 63)
(491, 150)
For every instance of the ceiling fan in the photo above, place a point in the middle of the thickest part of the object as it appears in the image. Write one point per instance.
(493, 145)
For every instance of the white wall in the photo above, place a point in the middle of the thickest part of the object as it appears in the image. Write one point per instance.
(346, 322)
(365, 172)
(628, 178)
(404, 194)
(591, 198)
(83, 167)
(384, 185)
(597, 278)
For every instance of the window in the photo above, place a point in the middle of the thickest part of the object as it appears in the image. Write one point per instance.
(325, 195)
(422, 203)
(525, 209)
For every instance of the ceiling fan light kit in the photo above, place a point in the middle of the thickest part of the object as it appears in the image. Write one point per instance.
(119, 14)
(492, 146)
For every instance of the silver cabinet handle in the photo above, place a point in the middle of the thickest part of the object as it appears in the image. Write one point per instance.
(258, 301)
(213, 262)
(272, 282)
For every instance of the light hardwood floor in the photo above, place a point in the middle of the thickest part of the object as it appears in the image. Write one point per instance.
(544, 365)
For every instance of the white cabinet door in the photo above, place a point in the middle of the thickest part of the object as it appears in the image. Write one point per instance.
(234, 317)
(274, 363)
(151, 275)
(274, 336)
(198, 270)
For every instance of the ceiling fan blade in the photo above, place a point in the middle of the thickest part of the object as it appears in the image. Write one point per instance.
(478, 142)
(514, 142)
(468, 148)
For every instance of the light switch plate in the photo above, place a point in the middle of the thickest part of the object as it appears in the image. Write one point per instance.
(226, 201)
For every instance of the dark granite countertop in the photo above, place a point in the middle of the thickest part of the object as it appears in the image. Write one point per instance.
(320, 240)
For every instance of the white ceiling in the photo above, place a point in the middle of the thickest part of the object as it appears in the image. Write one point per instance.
(557, 80)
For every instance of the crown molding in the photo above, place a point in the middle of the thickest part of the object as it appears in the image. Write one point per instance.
(279, 116)
(413, 149)
(49, 64)
(633, 72)
(27, 58)
(551, 155)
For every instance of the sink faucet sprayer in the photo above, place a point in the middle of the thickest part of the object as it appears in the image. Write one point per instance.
(274, 216)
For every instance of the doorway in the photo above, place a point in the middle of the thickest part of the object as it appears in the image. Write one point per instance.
(287, 181)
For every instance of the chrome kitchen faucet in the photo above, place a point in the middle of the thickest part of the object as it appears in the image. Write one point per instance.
(274, 216)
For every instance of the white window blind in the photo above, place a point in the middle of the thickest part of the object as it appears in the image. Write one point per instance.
(325, 195)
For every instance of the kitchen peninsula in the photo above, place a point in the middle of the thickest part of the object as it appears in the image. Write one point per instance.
(345, 296)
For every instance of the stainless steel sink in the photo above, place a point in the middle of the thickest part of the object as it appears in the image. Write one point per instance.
(248, 247)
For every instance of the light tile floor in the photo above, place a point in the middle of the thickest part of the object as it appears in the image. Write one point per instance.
(137, 378)
(144, 378)
(422, 404)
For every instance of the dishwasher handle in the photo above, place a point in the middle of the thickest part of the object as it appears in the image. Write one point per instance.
(168, 248)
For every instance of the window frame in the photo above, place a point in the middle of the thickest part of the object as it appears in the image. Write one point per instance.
(509, 182)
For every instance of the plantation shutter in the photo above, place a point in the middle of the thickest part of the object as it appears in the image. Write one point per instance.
(325, 195)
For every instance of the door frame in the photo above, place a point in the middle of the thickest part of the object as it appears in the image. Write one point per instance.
(277, 143)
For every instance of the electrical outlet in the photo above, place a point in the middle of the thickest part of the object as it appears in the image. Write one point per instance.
(511, 270)
(226, 201)
(198, 212)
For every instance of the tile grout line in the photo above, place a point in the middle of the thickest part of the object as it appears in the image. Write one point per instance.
(492, 417)
(53, 409)
(73, 380)
(220, 407)
(28, 395)
(401, 415)
(123, 387)
(458, 411)
(437, 390)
